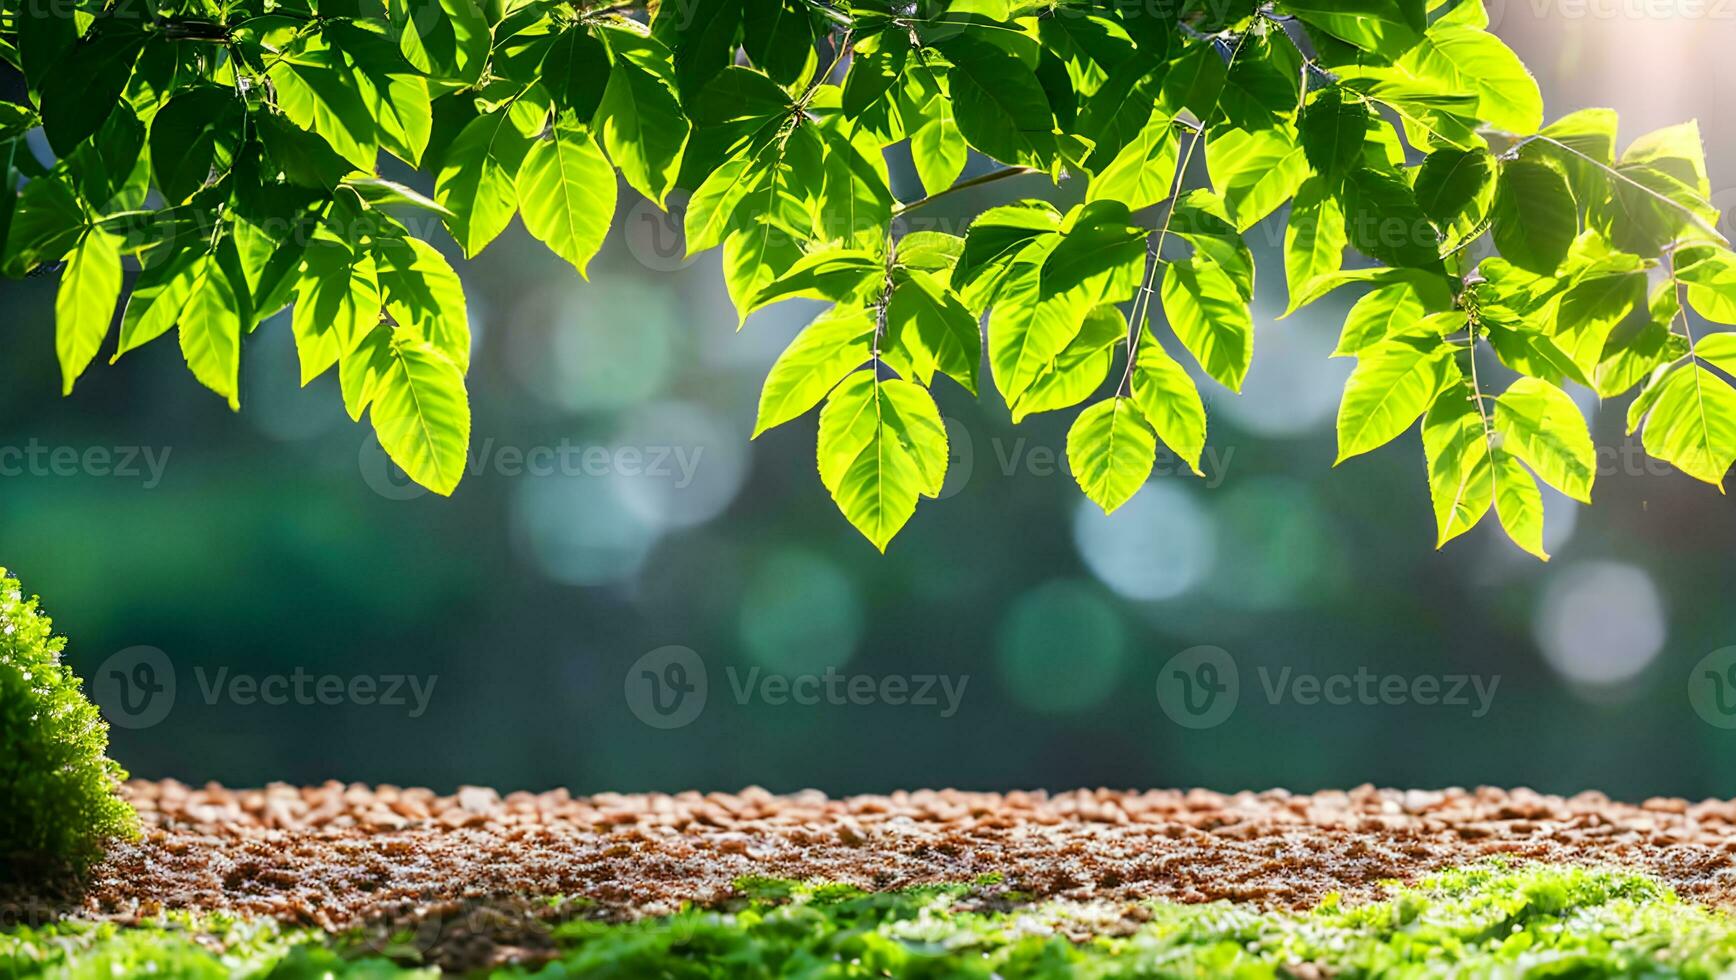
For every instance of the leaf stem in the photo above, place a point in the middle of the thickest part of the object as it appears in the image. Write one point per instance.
(1613, 172)
(1142, 299)
(977, 181)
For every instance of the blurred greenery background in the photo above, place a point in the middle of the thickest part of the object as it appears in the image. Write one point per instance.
(275, 539)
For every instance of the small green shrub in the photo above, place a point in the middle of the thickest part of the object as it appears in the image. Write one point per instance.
(57, 799)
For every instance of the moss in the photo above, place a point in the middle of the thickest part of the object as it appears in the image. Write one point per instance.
(1488, 920)
(57, 783)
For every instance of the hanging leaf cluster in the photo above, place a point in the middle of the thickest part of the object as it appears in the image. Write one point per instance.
(229, 151)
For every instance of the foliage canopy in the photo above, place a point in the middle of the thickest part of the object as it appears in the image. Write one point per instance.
(58, 785)
(232, 148)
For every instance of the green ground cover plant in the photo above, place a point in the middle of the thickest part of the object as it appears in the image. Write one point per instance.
(233, 148)
(1487, 920)
(57, 787)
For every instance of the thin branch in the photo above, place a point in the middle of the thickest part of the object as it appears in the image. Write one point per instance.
(1613, 172)
(977, 181)
(1142, 300)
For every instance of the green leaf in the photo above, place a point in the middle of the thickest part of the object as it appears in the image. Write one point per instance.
(1210, 317)
(1027, 329)
(158, 296)
(576, 71)
(1456, 184)
(1461, 465)
(210, 327)
(937, 147)
(1077, 372)
(1710, 282)
(999, 104)
(419, 410)
(998, 236)
(1195, 81)
(317, 90)
(1394, 382)
(84, 306)
(1518, 503)
(1526, 349)
(1254, 172)
(838, 342)
(830, 274)
(1718, 349)
(45, 227)
(1457, 59)
(702, 34)
(779, 38)
(876, 63)
(1111, 451)
(78, 96)
(935, 327)
(640, 118)
(1142, 173)
(855, 203)
(1170, 401)
(424, 296)
(930, 251)
(396, 98)
(1639, 345)
(1692, 424)
(1534, 218)
(477, 179)
(446, 39)
(882, 445)
(1314, 237)
(1539, 424)
(1383, 220)
(1379, 314)
(1384, 27)
(190, 137)
(337, 304)
(1590, 309)
(566, 192)
(1333, 128)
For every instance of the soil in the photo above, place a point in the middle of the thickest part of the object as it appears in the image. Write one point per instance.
(456, 878)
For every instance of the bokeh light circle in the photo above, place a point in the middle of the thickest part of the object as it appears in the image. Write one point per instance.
(1061, 648)
(1600, 623)
(1159, 545)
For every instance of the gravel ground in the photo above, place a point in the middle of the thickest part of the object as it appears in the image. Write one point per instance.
(457, 874)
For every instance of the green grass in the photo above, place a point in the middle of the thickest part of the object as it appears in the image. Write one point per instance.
(1488, 920)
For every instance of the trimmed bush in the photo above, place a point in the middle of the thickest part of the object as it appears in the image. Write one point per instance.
(57, 787)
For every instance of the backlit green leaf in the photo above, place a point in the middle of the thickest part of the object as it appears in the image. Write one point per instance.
(1394, 382)
(1539, 424)
(566, 192)
(1210, 317)
(84, 306)
(1111, 451)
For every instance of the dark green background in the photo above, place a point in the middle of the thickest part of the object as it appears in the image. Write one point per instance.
(264, 550)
